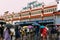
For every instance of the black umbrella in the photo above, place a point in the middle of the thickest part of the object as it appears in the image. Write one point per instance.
(2, 22)
(9, 25)
(35, 24)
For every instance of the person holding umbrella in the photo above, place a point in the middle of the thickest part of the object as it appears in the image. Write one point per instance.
(43, 31)
(17, 33)
(37, 30)
(6, 34)
(1, 32)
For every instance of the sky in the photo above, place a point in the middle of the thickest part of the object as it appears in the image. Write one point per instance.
(17, 5)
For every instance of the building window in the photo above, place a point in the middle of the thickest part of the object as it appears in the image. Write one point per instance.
(16, 15)
(9, 16)
(36, 12)
(25, 14)
(45, 11)
(49, 10)
(55, 9)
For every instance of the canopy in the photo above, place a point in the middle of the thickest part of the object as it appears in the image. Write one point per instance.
(42, 26)
(30, 26)
(9, 25)
(25, 27)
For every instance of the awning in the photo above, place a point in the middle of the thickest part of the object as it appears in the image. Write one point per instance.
(35, 21)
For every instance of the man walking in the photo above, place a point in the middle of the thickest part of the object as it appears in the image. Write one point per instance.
(1, 32)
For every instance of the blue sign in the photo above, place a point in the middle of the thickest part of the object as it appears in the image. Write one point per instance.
(36, 5)
(36, 21)
(45, 21)
(32, 4)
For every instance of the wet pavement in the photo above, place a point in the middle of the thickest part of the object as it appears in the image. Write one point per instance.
(34, 37)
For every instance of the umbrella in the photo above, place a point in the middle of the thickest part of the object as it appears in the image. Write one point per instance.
(9, 25)
(2, 22)
(35, 24)
(25, 27)
(42, 26)
(30, 26)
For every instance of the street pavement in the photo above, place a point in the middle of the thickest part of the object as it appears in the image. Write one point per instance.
(29, 37)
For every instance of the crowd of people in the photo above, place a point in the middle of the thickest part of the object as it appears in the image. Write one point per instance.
(4, 33)
(27, 32)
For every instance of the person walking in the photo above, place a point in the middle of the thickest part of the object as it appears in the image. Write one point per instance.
(17, 33)
(43, 31)
(36, 33)
(6, 34)
(53, 33)
(1, 32)
(58, 32)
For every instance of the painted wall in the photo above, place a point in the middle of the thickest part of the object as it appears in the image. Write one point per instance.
(57, 19)
(50, 17)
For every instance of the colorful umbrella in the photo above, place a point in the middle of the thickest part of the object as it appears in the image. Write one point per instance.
(25, 27)
(42, 26)
(30, 26)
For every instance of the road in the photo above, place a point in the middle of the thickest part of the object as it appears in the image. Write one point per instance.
(29, 37)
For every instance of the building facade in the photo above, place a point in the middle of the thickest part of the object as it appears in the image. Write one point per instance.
(40, 14)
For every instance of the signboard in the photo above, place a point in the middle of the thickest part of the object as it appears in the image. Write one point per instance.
(46, 21)
(37, 12)
(37, 21)
(32, 5)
